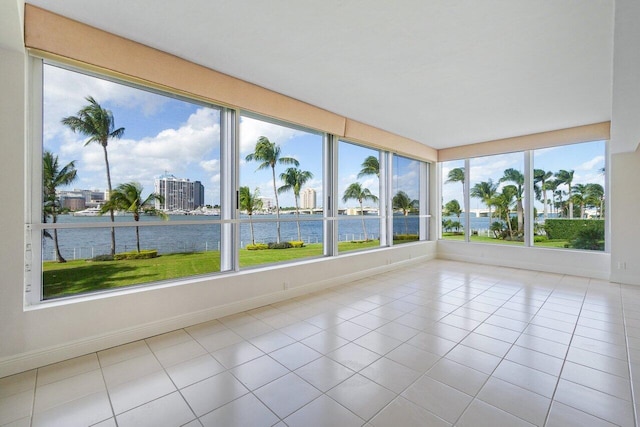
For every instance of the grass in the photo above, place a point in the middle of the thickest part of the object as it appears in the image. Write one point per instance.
(81, 276)
(485, 239)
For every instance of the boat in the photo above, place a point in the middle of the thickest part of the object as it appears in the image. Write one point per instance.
(88, 212)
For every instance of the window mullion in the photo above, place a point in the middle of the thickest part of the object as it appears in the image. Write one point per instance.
(228, 189)
(330, 194)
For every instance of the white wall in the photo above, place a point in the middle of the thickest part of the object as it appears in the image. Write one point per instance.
(625, 217)
(575, 263)
(59, 330)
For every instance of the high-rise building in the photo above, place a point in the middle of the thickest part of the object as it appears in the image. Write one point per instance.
(308, 196)
(178, 193)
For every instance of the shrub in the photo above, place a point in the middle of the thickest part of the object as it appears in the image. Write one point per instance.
(281, 245)
(257, 247)
(567, 229)
(405, 237)
(296, 243)
(538, 239)
(106, 257)
(590, 237)
(146, 254)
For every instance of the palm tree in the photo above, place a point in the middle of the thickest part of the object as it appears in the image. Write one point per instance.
(485, 191)
(579, 196)
(356, 192)
(503, 201)
(515, 176)
(128, 197)
(370, 166)
(457, 175)
(268, 154)
(98, 124)
(453, 208)
(403, 202)
(541, 176)
(294, 179)
(552, 185)
(250, 202)
(52, 177)
(595, 196)
(566, 177)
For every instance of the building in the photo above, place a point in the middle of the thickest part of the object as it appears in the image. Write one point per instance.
(308, 198)
(179, 194)
(447, 368)
(78, 199)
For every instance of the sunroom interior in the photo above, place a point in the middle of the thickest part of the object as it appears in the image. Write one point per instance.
(433, 82)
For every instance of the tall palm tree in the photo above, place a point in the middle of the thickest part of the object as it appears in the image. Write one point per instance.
(541, 176)
(552, 185)
(98, 124)
(268, 154)
(403, 202)
(356, 192)
(294, 179)
(566, 177)
(579, 196)
(485, 191)
(128, 197)
(53, 176)
(250, 202)
(503, 202)
(515, 176)
(370, 166)
(595, 196)
(457, 175)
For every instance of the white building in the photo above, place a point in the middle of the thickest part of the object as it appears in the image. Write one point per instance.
(308, 198)
(178, 193)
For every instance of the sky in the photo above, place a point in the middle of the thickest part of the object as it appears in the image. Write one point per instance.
(169, 135)
(586, 160)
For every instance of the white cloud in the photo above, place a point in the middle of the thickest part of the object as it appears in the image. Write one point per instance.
(252, 129)
(590, 165)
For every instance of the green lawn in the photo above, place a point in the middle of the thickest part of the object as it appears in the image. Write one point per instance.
(484, 239)
(81, 276)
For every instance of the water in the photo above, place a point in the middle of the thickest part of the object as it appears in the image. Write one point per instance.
(85, 243)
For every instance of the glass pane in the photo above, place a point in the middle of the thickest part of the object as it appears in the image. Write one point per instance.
(453, 209)
(115, 153)
(166, 252)
(497, 199)
(569, 185)
(281, 179)
(405, 200)
(358, 191)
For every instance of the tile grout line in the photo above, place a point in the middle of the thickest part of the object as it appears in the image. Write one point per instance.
(628, 352)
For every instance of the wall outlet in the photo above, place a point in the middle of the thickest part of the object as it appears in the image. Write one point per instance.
(285, 285)
(622, 265)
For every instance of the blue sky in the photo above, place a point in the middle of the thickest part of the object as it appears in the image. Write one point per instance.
(167, 135)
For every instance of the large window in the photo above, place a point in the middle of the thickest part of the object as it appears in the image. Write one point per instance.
(497, 199)
(359, 197)
(405, 200)
(280, 192)
(130, 185)
(453, 200)
(566, 185)
(569, 185)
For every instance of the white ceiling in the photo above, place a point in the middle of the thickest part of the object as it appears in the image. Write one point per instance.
(444, 73)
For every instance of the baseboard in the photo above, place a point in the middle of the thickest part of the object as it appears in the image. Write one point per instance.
(34, 359)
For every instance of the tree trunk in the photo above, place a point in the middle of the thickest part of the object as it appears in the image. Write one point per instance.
(364, 227)
(113, 230)
(55, 241)
(544, 202)
(138, 239)
(298, 218)
(275, 193)
(253, 242)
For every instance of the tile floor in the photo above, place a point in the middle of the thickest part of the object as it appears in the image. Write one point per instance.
(438, 344)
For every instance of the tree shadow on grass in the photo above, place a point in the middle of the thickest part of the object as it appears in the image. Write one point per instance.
(90, 278)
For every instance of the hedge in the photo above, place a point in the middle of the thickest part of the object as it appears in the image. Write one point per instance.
(146, 254)
(257, 247)
(568, 229)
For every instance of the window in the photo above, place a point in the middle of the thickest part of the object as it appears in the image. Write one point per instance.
(280, 192)
(358, 195)
(569, 184)
(567, 210)
(453, 200)
(405, 200)
(130, 185)
(497, 196)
